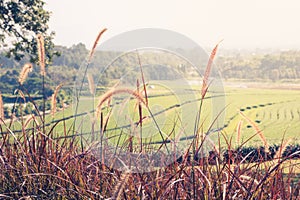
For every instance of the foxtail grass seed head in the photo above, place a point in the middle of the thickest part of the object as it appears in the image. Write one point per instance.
(53, 100)
(91, 83)
(239, 131)
(95, 44)
(207, 70)
(41, 54)
(24, 73)
(113, 92)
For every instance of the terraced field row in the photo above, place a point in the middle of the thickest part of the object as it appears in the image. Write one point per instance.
(275, 112)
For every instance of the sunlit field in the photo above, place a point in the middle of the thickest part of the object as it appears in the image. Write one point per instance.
(275, 111)
(143, 138)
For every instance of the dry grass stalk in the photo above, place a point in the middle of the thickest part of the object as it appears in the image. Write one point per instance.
(139, 104)
(24, 73)
(22, 95)
(91, 83)
(224, 191)
(1, 108)
(281, 149)
(41, 53)
(36, 121)
(239, 131)
(143, 78)
(215, 148)
(95, 44)
(258, 131)
(207, 71)
(53, 99)
(112, 92)
(28, 120)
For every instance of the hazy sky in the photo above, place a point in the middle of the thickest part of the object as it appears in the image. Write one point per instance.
(241, 23)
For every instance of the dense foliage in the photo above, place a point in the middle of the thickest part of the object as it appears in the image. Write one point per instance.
(282, 65)
(270, 66)
(20, 22)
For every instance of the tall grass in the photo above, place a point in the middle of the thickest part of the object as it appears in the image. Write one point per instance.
(34, 165)
(81, 82)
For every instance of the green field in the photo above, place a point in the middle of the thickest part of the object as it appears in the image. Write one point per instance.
(275, 111)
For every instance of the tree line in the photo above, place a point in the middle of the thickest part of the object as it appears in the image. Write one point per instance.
(278, 66)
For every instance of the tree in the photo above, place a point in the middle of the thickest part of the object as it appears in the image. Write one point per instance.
(20, 22)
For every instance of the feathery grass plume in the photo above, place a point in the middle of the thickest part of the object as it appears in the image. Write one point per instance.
(208, 69)
(239, 131)
(91, 83)
(24, 73)
(112, 92)
(1, 107)
(281, 149)
(41, 53)
(53, 99)
(120, 186)
(258, 131)
(95, 44)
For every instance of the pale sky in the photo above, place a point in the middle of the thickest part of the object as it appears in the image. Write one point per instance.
(241, 23)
